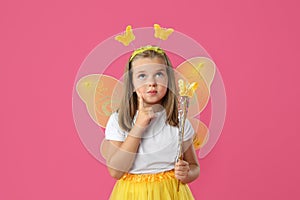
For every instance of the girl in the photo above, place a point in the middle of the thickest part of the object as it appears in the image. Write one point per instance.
(142, 136)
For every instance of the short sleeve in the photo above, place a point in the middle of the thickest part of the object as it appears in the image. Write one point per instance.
(113, 130)
(188, 130)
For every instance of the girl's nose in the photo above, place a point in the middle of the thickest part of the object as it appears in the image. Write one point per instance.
(152, 84)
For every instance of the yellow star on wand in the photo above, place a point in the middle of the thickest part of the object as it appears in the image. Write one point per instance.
(186, 89)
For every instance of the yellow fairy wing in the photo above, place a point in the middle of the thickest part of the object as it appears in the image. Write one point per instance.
(86, 88)
(107, 98)
(206, 67)
(201, 133)
(162, 33)
(200, 70)
(127, 37)
(98, 93)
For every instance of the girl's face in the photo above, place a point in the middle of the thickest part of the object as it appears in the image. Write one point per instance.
(150, 79)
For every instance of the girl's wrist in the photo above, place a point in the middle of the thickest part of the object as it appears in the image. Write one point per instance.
(136, 131)
(192, 174)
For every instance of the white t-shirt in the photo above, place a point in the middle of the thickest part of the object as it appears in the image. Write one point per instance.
(159, 144)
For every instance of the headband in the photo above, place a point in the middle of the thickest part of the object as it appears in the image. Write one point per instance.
(159, 32)
(146, 48)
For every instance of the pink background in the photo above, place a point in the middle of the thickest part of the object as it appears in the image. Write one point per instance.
(254, 43)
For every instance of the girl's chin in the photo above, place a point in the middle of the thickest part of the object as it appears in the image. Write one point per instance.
(151, 103)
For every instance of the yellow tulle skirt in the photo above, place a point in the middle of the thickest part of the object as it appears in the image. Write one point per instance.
(161, 186)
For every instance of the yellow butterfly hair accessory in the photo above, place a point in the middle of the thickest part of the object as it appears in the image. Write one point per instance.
(162, 33)
(127, 37)
(146, 48)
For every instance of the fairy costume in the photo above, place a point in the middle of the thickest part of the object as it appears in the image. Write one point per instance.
(152, 174)
(98, 92)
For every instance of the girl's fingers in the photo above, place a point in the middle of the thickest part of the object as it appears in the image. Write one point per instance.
(141, 100)
(182, 167)
(151, 113)
(182, 163)
(181, 174)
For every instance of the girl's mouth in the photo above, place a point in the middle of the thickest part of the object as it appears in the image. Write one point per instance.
(152, 92)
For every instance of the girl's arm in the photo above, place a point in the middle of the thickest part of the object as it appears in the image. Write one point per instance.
(121, 155)
(188, 169)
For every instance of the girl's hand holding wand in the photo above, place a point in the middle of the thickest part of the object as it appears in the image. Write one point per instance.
(182, 169)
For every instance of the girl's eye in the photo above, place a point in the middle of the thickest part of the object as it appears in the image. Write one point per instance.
(159, 74)
(141, 76)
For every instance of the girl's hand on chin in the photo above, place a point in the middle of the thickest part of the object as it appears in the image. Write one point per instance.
(145, 114)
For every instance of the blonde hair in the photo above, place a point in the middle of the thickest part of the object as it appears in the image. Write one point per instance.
(169, 102)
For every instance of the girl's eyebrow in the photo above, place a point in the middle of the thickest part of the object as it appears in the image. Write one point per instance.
(137, 71)
(143, 71)
(161, 70)
(140, 71)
